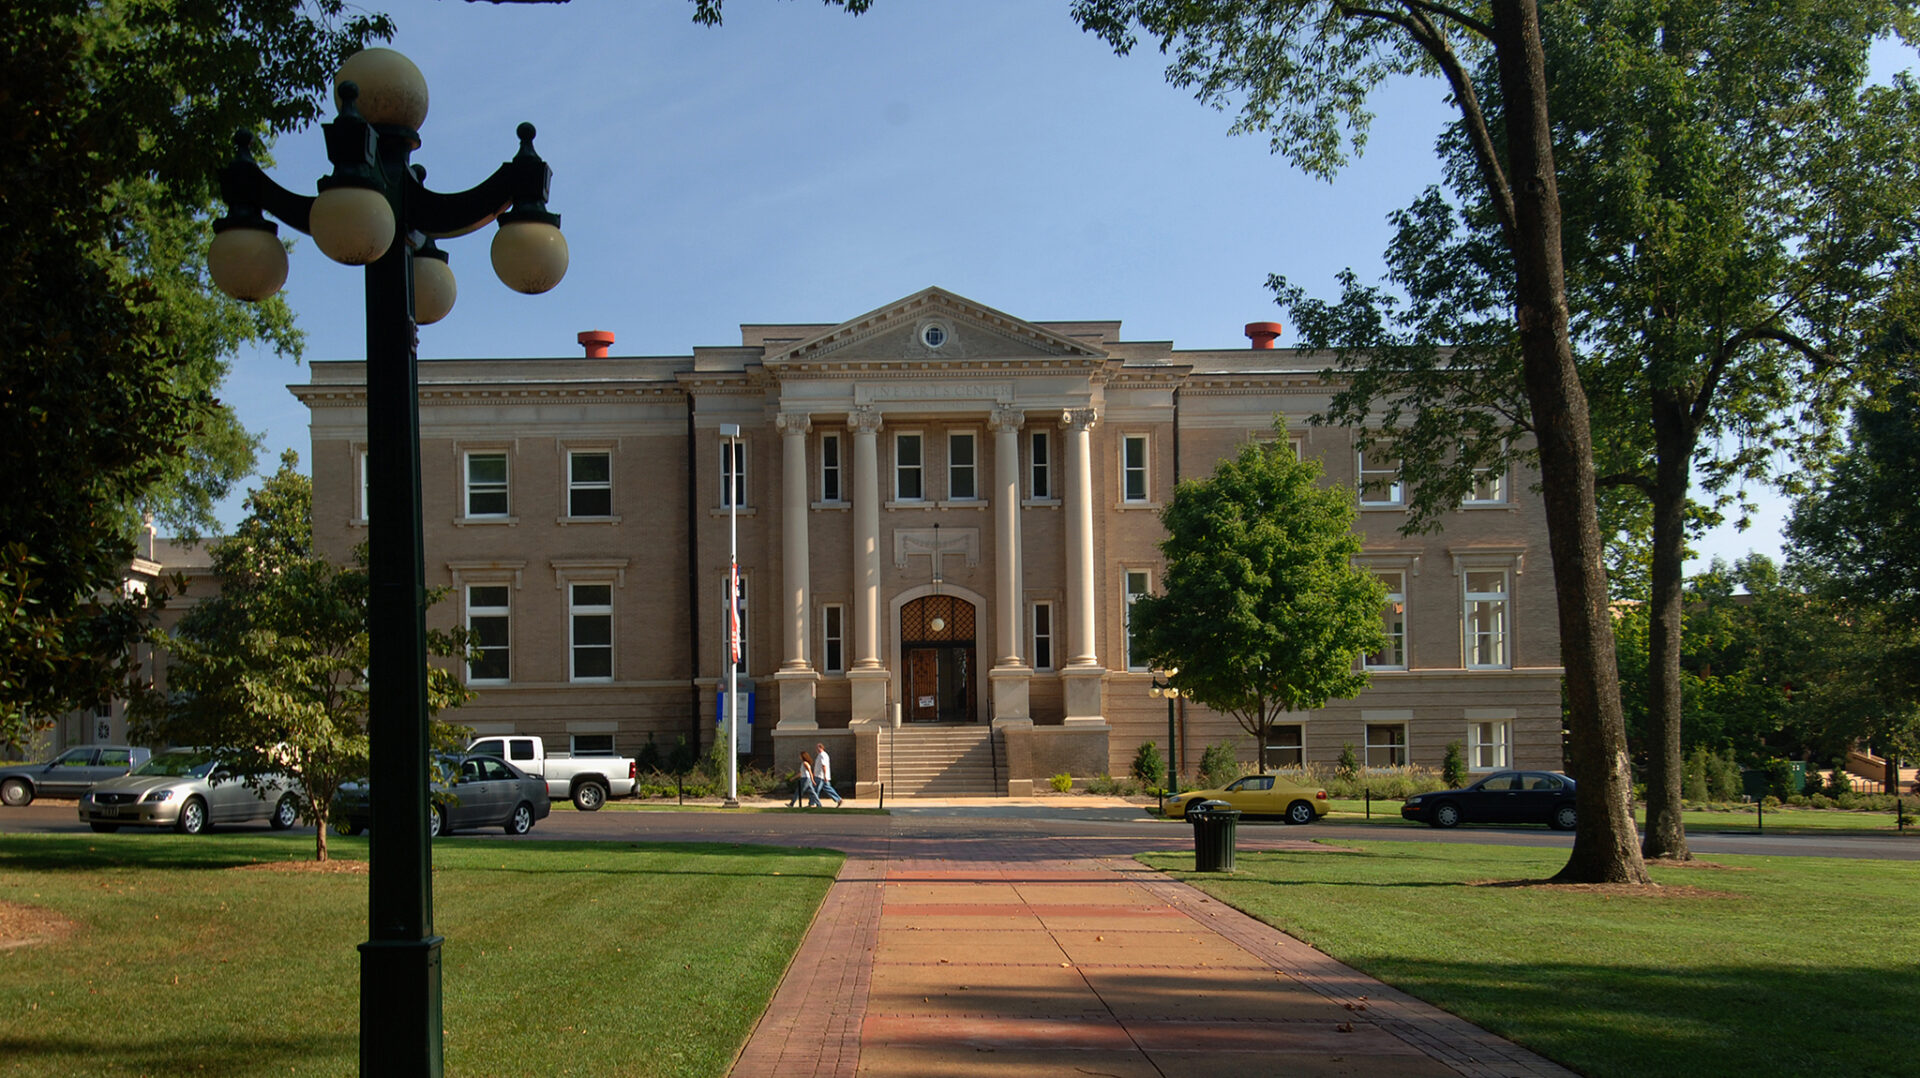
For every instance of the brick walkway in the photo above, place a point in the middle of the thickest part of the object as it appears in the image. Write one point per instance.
(940, 956)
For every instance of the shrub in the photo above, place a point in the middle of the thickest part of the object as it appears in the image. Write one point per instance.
(1839, 783)
(1349, 765)
(1453, 770)
(1385, 784)
(1779, 777)
(1723, 776)
(649, 758)
(1062, 782)
(1694, 785)
(1218, 766)
(683, 757)
(1104, 783)
(1147, 765)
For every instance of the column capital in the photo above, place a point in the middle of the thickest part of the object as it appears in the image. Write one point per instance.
(794, 423)
(1006, 419)
(1079, 418)
(864, 420)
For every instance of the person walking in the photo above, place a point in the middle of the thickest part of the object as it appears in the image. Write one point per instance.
(803, 784)
(823, 775)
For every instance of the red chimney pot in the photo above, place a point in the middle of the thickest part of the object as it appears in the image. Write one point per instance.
(597, 341)
(1263, 334)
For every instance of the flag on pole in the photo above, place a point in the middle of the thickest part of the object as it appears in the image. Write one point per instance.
(733, 612)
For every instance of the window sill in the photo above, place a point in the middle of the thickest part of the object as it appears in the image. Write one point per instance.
(964, 503)
(466, 522)
(722, 510)
(907, 503)
(1471, 506)
(1383, 507)
(1124, 506)
(1040, 503)
(830, 506)
(1401, 669)
(567, 521)
(1489, 669)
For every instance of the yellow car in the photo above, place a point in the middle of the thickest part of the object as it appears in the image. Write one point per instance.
(1257, 795)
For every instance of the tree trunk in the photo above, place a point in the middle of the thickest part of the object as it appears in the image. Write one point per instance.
(320, 833)
(1666, 835)
(1605, 846)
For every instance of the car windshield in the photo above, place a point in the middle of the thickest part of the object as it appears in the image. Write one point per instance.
(176, 765)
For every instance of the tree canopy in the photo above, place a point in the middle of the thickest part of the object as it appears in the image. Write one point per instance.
(1735, 199)
(116, 116)
(1261, 608)
(270, 673)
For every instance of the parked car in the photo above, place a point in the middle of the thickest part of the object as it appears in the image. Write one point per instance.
(1502, 797)
(1258, 795)
(470, 790)
(587, 778)
(68, 774)
(189, 790)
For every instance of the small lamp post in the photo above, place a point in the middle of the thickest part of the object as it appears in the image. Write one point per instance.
(373, 199)
(1165, 687)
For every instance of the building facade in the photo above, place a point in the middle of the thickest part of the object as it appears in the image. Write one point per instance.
(943, 512)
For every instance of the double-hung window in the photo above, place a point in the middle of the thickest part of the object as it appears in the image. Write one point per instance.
(909, 467)
(830, 468)
(1487, 745)
(1487, 621)
(1393, 621)
(1133, 468)
(1039, 466)
(489, 614)
(1137, 584)
(1287, 745)
(833, 649)
(1489, 487)
(486, 484)
(963, 483)
(733, 473)
(589, 483)
(1043, 636)
(591, 616)
(1380, 481)
(1386, 744)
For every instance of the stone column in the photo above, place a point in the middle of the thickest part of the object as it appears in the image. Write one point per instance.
(796, 677)
(1010, 677)
(1082, 679)
(870, 679)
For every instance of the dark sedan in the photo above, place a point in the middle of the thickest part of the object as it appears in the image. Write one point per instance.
(1502, 797)
(468, 792)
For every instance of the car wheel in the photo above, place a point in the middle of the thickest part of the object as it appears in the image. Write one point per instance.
(1300, 812)
(1564, 817)
(105, 828)
(437, 822)
(589, 796)
(1446, 814)
(16, 792)
(1194, 811)
(521, 821)
(193, 817)
(286, 813)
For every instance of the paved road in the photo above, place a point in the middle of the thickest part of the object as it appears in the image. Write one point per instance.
(1118, 827)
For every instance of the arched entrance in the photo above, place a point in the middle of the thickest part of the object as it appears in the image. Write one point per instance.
(937, 639)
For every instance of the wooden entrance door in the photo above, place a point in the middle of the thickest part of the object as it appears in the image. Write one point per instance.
(937, 637)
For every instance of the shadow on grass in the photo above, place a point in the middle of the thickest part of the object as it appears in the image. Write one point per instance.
(256, 1049)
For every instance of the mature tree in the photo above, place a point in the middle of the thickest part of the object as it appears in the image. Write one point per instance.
(270, 673)
(1300, 71)
(1734, 196)
(1261, 609)
(116, 115)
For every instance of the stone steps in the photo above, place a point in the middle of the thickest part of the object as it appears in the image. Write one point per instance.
(938, 761)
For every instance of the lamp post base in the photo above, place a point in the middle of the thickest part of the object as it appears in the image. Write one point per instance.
(400, 1018)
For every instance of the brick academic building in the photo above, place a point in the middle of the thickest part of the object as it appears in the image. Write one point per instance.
(943, 513)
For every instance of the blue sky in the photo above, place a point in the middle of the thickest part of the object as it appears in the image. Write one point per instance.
(799, 164)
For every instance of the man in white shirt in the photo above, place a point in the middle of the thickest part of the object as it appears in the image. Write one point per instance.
(823, 774)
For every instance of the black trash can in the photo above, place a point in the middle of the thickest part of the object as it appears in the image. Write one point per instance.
(1214, 826)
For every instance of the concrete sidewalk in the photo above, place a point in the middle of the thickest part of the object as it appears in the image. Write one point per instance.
(1006, 958)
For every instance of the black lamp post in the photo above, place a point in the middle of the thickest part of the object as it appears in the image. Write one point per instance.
(372, 198)
(1166, 688)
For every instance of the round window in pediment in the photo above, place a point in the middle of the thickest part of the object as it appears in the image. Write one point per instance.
(933, 335)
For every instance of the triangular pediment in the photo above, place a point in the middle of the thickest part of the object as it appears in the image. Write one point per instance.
(933, 326)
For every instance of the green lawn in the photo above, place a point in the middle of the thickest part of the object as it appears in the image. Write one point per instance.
(1784, 820)
(1767, 966)
(561, 958)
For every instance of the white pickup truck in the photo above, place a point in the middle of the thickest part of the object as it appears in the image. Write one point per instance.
(588, 780)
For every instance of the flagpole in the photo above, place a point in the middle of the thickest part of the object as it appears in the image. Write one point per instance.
(732, 433)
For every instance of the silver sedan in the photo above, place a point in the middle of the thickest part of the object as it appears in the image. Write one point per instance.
(188, 790)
